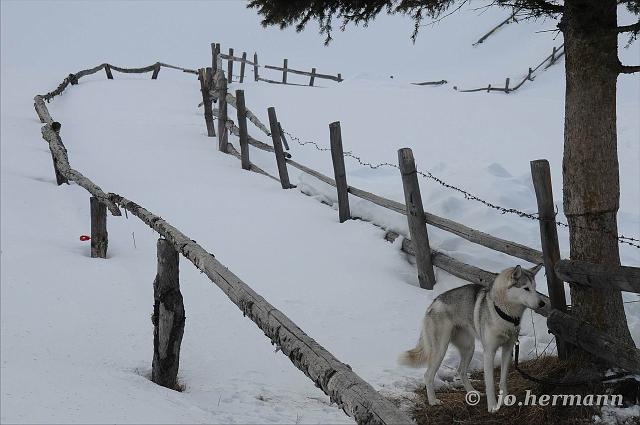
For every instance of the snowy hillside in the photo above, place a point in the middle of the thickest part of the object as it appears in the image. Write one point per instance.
(77, 340)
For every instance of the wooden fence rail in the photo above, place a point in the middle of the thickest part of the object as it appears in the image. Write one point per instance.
(599, 276)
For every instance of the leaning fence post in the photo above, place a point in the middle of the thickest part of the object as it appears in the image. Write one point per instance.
(168, 317)
(337, 156)
(506, 85)
(99, 236)
(242, 125)
(541, 176)
(416, 218)
(230, 65)
(284, 71)
(107, 70)
(223, 137)
(206, 102)
(242, 65)
(156, 70)
(313, 76)
(255, 67)
(277, 147)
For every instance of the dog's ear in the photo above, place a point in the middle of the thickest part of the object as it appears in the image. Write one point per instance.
(536, 269)
(517, 272)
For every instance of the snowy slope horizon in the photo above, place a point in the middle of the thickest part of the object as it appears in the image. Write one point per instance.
(76, 335)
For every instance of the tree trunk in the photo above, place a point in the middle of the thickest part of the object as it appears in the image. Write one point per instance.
(590, 166)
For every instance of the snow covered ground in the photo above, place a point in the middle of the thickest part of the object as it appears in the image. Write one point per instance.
(76, 332)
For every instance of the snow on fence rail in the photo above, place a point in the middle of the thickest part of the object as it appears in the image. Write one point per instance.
(216, 63)
(356, 397)
(566, 329)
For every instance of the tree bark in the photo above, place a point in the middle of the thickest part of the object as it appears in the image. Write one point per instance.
(591, 186)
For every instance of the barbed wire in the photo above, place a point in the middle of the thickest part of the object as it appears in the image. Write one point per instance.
(467, 195)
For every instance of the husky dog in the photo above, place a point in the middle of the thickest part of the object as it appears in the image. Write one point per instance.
(461, 315)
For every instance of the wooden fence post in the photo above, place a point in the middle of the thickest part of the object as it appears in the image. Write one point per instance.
(255, 67)
(168, 317)
(156, 70)
(277, 147)
(541, 176)
(230, 65)
(284, 71)
(206, 100)
(313, 76)
(242, 65)
(223, 136)
(99, 236)
(506, 85)
(242, 125)
(337, 156)
(215, 49)
(416, 218)
(107, 70)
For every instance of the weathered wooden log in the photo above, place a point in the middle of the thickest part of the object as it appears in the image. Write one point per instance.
(59, 152)
(107, 70)
(232, 151)
(242, 66)
(221, 85)
(344, 387)
(168, 317)
(317, 75)
(277, 148)
(230, 66)
(99, 235)
(541, 176)
(142, 70)
(313, 77)
(337, 157)
(242, 125)
(462, 270)
(41, 110)
(255, 67)
(85, 72)
(431, 83)
(494, 29)
(156, 71)
(284, 71)
(599, 276)
(206, 101)
(326, 179)
(190, 71)
(416, 218)
(594, 341)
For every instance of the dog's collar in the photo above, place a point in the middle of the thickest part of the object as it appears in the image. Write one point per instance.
(505, 316)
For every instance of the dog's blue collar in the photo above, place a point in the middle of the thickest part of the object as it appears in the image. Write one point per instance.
(505, 316)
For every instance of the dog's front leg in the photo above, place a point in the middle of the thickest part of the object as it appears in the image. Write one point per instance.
(504, 367)
(490, 389)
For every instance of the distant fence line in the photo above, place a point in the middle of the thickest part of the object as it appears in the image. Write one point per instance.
(216, 62)
(336, 379)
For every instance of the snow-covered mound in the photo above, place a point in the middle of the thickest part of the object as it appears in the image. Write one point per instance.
(76, 332)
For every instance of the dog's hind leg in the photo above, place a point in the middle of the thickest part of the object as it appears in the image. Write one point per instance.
(465, 343)
(439, 342)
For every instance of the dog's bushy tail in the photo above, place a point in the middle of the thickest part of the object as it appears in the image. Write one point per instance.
(415, 357)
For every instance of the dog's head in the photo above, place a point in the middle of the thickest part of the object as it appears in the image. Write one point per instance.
(519, 287)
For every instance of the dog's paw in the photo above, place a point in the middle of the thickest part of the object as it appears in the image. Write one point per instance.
(493, 409)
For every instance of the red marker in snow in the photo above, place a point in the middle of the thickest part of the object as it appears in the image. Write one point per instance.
(84, 238)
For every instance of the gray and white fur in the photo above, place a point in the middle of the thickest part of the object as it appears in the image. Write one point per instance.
(461, 315)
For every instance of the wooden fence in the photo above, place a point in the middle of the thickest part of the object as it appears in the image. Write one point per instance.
(566, 328)
(343, 386)
(285, 69)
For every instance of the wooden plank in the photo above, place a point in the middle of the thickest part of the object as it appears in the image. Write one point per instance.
(416, 218)
(242, 66)
(206, 102)
(230, 66)
(59, 152)
(221, 85)
(541, 176)
(168, 317)
(277, 147)
(255, 66)
(296, 71)
(594, 341)
(284, 71)
(242, 125)
(99, 235)
(462, 270)
(355, 396)
(601, 276)
(337, 157)
(313, 76)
